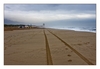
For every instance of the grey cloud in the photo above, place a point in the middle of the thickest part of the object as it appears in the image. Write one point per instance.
(54, 14)
(72, 23)
(38, 7)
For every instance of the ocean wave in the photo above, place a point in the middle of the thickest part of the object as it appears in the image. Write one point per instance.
(84, 29)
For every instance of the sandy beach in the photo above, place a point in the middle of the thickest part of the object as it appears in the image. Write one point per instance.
(49, 47)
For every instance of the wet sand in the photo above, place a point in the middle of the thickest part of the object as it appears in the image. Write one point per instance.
(49, 47)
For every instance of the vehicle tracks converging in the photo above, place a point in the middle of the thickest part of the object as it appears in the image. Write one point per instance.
(48, 53)
(80, 55)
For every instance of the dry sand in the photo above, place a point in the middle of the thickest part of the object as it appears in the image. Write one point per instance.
(41, 47)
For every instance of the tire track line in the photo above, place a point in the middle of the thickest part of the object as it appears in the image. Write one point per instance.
(80, 55)
(48, 53)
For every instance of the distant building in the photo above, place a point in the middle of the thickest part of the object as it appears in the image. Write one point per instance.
(26, 26)
(21, 26)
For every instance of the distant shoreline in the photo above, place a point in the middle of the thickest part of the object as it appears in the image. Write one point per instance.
(75, 30)
(15, 28)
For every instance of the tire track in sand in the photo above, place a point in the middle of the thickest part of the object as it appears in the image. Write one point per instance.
(80, 55)
(48, 53)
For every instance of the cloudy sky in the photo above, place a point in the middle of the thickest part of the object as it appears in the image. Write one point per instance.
(50, 14)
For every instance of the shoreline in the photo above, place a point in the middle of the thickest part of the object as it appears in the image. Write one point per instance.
(15, 28)
(73, 30)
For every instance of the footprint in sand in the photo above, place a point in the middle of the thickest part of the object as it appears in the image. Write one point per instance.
(69, 55)
(71, 51)
(79, 44)
(69, 60)
(66, 48)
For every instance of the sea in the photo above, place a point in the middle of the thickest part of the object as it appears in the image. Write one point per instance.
(83, 29)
